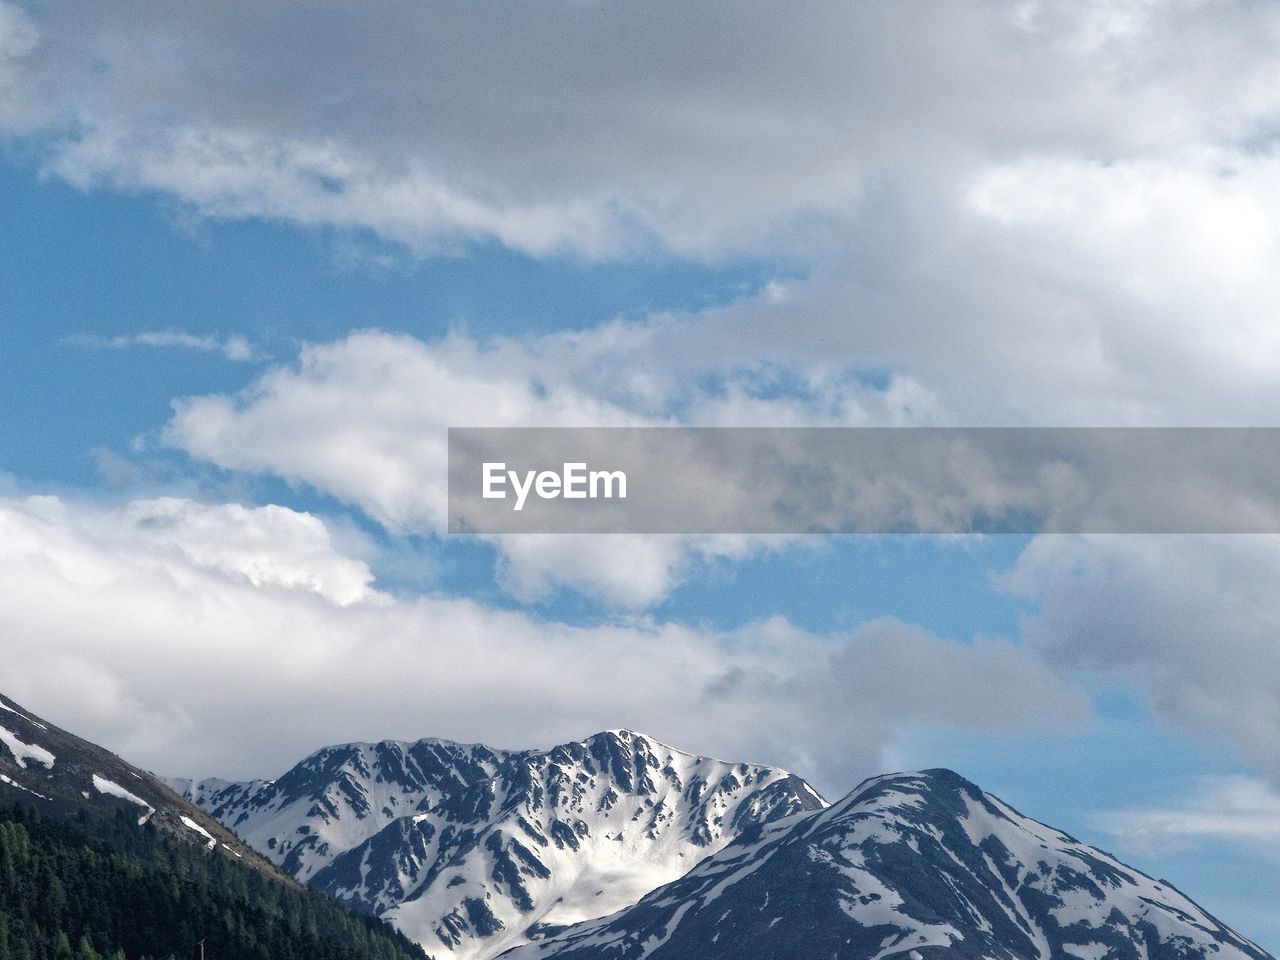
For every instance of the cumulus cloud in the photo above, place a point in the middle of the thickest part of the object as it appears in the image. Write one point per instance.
(365, 418)
(178, 633)
(632, 571)
(266, 547)
(1237, 810)
(1190, 621)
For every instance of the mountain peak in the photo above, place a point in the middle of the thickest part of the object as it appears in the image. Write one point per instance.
(939, 790)
(922, 781)
(909, 866)
(471, 850)
(634, 739)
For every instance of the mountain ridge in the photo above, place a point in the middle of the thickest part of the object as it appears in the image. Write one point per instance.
(621, 847)
(471, 849)
(914, 866)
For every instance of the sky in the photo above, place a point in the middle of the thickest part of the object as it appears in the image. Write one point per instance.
(256, 259)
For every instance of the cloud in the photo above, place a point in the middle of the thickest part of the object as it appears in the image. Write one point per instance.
(1038, 211)
(232, 348)
(178, 633)
(1236, 810)
(266, 547)
(366, 418)
(632, 571)
(1051, 289)
(18, 40)
(670, 124)
(236, 175)
(1191, 622)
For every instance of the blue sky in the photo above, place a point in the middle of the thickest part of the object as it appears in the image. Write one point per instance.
(80, 264)
(236, 317)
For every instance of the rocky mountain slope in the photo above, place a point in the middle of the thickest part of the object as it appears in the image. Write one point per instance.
(470, 850)
(59, 774)
(911, 866)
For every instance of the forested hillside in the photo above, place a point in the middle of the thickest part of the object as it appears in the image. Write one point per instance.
(106, 887)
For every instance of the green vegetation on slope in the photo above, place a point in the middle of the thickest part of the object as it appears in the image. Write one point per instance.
(108, 888)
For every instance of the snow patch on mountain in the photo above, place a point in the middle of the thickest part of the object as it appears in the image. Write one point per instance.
(22, 752)
(112, 789)
(192, 825)
(13, 783)
(34, 723)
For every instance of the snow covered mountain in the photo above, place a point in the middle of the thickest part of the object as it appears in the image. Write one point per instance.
(909, 866)
(59, 774)
(341, 796)
(471, 851)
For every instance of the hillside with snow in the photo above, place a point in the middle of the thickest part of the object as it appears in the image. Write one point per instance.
(471, 851)
(59, 774)
(920, 866)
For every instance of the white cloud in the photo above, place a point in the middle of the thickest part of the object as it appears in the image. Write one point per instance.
(233, 348)
(180, 642)
(1190, 621)
(1237, 810)
(633, 571)
(365, 419)
(266, 547)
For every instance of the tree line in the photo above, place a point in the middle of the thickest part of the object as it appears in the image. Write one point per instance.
(105, 888)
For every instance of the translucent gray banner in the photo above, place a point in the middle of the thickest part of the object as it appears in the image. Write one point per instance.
(868, 480)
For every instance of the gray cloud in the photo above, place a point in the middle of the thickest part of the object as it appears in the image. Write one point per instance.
(1028, 212)
(1053, 290)
(1191, 622)
(602, 129)
(18, 39)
